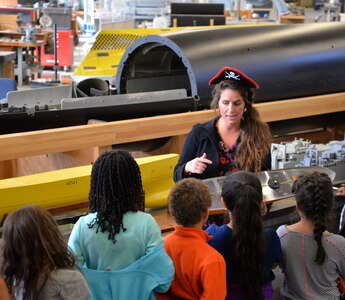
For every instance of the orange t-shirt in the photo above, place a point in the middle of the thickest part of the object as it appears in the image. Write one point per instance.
(199, 268)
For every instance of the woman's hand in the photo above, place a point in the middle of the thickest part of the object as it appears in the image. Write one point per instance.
(198, 165)
(341, 191)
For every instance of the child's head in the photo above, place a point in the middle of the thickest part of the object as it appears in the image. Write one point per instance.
(242, 195)
(116, 188)
(33, 247)
(314, 195)
(189, 201)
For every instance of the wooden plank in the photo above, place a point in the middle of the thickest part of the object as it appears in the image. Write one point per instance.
(8, 69)
(301, 107)
(9, 2)
(8, 21)
(291, 19)
(18, 35)
(102, 134)
(81, 137)
(18, 43)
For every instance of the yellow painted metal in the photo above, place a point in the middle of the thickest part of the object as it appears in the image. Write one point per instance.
(71, 186)
(106, 52)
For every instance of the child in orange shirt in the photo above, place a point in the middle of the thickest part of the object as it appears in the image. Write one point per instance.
(199, 269)
(4, 295)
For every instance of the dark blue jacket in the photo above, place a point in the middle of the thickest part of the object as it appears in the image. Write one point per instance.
(201, 139)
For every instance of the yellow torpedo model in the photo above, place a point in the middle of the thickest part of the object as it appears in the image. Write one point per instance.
(71, 186)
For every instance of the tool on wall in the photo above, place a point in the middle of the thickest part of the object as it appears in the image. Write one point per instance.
(45, 21)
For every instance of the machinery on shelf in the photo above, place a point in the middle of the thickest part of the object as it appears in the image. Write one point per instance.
(303, 153)
(276, 184)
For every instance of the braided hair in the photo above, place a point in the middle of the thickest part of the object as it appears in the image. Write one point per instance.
(116, 188)
(242, 195)
(314, 195)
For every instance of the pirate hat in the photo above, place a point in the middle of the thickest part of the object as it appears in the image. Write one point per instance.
(230, 73)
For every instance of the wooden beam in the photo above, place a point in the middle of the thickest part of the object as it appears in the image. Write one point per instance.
(65, 139)
(301, 107)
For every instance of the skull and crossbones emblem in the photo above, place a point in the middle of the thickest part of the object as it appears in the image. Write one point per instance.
(232, 75)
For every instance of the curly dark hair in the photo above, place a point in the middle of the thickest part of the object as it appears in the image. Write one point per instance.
(33, 248)
(188, 200)
(242, 195)
(116, 188)
(255, 134)
(314, 196)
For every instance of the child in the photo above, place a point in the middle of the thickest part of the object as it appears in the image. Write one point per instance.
(313, 257)
(334, 223)
(116, 233)
(4, 295)
(199, 269)
(340, 199)
(250, 252)
(36, 261)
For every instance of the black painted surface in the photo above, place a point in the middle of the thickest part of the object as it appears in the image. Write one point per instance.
(288, 61)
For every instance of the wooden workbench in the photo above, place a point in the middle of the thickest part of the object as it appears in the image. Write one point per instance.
(10, 34)
(281, 212)
(19, 45)
(7, 64)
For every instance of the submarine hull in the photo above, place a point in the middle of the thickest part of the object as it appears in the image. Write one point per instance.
(288, 61)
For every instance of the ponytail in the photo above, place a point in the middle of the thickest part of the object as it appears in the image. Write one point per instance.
(242, 194)
(249, 242)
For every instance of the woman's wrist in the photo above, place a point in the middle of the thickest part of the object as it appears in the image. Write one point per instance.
(186, 173)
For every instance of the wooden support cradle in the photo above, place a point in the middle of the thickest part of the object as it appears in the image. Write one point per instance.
(80, 145)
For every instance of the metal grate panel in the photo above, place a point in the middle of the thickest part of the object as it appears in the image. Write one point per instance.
(114, 41)
(106, 52)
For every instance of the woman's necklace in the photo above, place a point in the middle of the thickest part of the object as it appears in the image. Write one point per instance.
(228, 136)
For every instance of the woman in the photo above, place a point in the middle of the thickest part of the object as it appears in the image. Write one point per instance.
(36, 261)
(234, 140)
(313, 258)
(250, 252)
(117, 234)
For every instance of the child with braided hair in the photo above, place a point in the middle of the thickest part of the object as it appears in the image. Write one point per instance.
(313, 258)
(117, 235)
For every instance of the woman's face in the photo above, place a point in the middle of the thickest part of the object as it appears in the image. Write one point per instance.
(231, 107)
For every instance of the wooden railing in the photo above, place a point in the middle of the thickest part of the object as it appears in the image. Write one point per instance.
(77, 138)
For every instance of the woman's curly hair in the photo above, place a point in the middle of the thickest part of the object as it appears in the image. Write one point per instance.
(255, 134)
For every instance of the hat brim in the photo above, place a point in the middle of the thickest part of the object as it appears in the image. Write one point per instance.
(230, 73)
